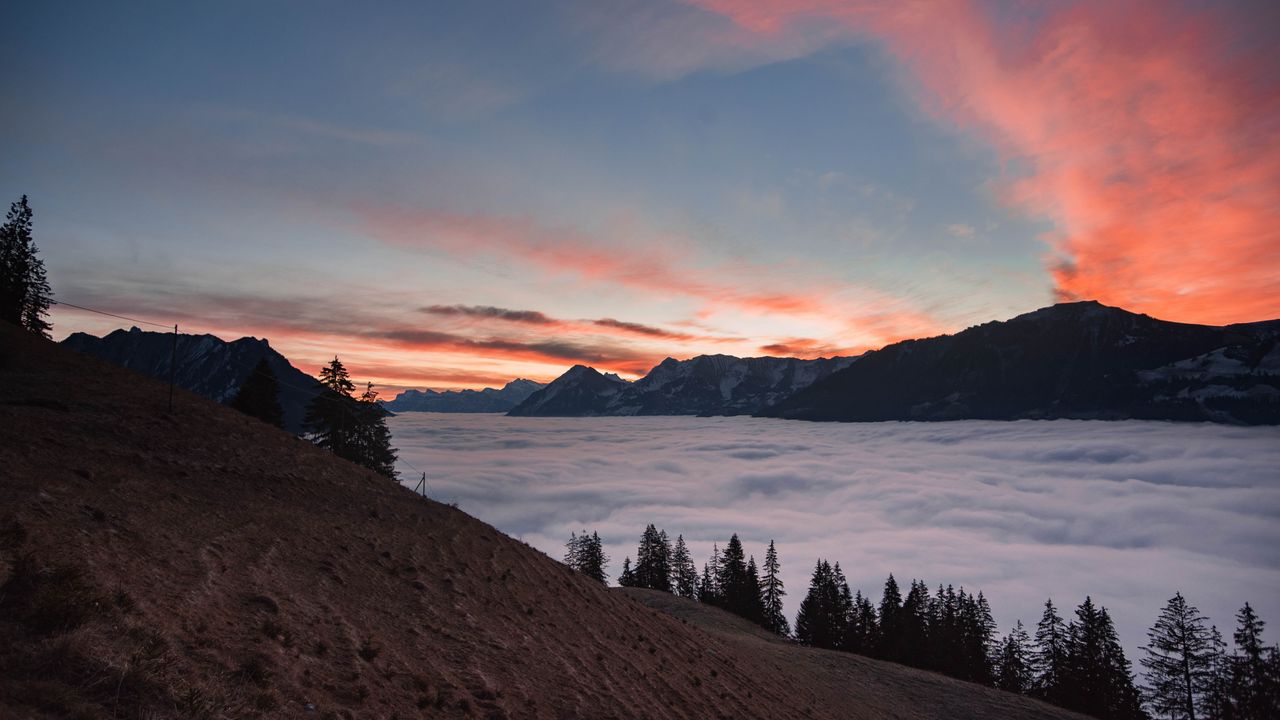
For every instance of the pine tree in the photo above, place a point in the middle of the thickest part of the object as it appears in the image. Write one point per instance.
(1013, 669)
(709, 587)
(914, 627)
(890, 646)
(25, 295)
(353, 429)
(1098, 680)
(585, 554)
(372, 437)
(259, 395)
(1177, 661)
(683, 570)
(820, 621)
(1215, 692)
(753, 603)
(1253, 692)
(628, 577)
(653, 560)
(1049, 655)
(772, 591)
(863, 630)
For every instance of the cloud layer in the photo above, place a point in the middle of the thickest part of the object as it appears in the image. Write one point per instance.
(1128, 512)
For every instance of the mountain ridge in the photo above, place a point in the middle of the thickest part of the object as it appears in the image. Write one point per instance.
(485, 400)
(1080, 360)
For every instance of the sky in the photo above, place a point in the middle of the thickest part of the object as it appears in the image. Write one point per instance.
(1023, 511)
(454, 194)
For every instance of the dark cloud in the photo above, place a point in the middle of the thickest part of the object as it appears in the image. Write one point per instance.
(532, 317)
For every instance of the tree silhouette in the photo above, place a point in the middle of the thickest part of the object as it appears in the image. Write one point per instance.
(685, 575)
(259, 395)
(25, 295)
(771, 593)
(1013, 668)
(1255, 682)
(1049, 655)
(1098, 677)
(1178, 660)
(353, 429)
(653, 560)
(585, 554)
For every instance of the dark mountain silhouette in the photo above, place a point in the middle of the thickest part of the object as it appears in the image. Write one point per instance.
(200, 563)
(488, 400)
(1072, 360)
(704, 385)
(207, 365)
(580, 391)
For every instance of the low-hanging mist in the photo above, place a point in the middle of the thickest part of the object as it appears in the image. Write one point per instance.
(1127, 512)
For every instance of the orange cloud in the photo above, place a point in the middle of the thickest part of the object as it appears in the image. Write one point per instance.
(872, 317)
(1148, 130)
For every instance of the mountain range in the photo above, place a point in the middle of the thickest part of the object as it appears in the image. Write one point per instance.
(488, 400)
(704, 385)
(1071, 360)
(206, 365)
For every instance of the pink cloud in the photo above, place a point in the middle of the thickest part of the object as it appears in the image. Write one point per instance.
(1148, 129)
(871, 317)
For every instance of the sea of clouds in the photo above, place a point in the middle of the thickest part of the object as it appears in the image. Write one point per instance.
(1127, 512)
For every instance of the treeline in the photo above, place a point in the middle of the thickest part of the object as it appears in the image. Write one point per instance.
(1079, 664)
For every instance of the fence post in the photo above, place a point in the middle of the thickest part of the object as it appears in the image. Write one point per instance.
(173, 365)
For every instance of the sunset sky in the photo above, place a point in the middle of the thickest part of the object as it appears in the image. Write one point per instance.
(453, 194)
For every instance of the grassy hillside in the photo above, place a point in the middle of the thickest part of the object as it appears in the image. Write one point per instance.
(202, 564)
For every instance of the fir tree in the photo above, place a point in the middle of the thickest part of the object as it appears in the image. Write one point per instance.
(863, 630)
(24, 288)
(685, 574)
(1098, 680)
(709, 587)
(914, 627)
(585, 554)
(353, 429)
(653, 560)
(752, 601)
(890, 645)
(772, 592)
(1178, 660)
(1253, 692)
(820, 621)
(372, 437)
(1049, 655)
(628, 577)
(259, 395)
(1215, 692)
(1013, 668)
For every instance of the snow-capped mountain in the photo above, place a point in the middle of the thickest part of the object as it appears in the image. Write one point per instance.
(206, 365)
(704, 385)
(1072, 360)
(488, 400)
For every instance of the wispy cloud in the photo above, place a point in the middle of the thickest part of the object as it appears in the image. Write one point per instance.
(1146, 128)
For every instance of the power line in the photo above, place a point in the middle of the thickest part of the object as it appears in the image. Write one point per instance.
(101, 312)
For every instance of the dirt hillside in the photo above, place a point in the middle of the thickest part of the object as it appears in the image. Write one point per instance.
(202, 564)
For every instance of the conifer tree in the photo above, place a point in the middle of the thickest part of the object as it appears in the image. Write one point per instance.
(1215, 692)
(771, 593)
(914, 627)
(1178, 660)
(752, 602)
(709, 587)
(259, 395)
(1098, 680)
(820, 622)
(653, 560)
(585, 553)
(890, 646)
(628, 577)
(1049, 655)
(1254, 681)
(862, 632)
(24, 287)
(1013, 669)
(353, 429)
(372, 437)
(685, 574)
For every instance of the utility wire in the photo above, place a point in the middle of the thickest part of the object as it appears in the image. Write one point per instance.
(100, 312)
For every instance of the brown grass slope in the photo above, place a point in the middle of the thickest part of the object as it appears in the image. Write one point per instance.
(201, 564)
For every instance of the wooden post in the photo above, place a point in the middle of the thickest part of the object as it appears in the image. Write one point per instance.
(173, 365)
